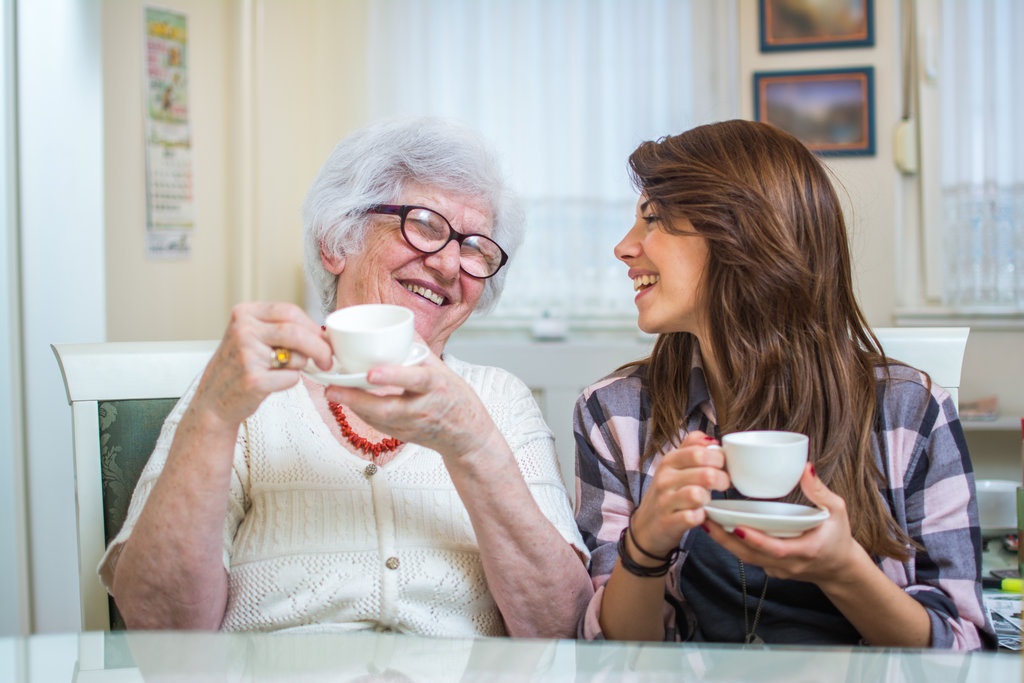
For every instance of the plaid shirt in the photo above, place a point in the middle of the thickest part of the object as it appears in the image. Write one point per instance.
(920, 448)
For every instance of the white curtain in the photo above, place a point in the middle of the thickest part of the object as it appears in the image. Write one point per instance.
(982, 91)
(565, 90)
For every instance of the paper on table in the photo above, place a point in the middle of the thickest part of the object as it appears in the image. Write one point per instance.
(1004, 612)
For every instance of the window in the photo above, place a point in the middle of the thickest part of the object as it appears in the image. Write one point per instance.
(565, 90)
(975, 69)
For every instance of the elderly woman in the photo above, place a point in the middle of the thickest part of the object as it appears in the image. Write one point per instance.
(434, 506)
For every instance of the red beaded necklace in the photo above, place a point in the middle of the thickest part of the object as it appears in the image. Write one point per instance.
(363, 444)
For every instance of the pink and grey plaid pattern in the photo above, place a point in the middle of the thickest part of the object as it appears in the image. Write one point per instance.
(919, 446)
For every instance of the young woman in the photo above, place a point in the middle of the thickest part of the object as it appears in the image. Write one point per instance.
(740, 260)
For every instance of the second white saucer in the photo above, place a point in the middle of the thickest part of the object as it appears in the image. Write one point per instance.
(417, 354)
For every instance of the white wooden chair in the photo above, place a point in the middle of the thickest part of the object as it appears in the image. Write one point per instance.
(558, 371)
(120, 393)
(939, 351)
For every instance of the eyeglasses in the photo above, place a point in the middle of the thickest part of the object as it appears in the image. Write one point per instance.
(429, 232)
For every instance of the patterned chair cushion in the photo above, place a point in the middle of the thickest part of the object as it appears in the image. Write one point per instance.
(128, 433)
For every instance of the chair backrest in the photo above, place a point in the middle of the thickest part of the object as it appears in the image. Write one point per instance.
(120, 393)
(939, 351)
(558, 371)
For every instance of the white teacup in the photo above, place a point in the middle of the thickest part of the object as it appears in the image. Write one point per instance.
(765, 464)
(367, 335)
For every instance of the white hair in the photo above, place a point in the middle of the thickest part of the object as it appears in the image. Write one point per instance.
(373, 165)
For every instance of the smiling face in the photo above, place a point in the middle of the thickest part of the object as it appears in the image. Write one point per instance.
(388, 270)
(667, 271)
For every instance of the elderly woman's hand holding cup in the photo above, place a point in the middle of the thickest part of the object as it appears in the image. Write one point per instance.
(373, 348)
(431, 405)
(427, 404)
(263, 347)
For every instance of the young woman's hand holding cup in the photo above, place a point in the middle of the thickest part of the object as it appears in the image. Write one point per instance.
(681, 486)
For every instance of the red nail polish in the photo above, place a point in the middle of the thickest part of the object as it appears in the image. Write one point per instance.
(813, 472)
(740, 533)
(706, 528)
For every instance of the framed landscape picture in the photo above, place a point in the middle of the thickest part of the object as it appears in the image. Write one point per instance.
(816, 24)
(830, 110)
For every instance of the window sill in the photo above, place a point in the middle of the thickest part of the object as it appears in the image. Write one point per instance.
(625, 326)
(544, 328)
(936, 316)
(1000, 424)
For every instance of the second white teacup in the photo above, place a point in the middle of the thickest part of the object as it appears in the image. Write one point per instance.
(765, 464)
(368, 335)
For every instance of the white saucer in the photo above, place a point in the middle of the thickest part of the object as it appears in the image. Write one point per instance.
(358, 379)
(783, 520)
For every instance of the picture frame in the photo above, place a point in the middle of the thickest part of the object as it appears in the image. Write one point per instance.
(816, 24)
(829, 110)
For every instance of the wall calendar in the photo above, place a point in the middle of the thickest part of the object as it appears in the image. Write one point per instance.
(170, 189)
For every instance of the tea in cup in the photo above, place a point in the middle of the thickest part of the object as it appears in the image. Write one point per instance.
(367, 335)
(764, 464)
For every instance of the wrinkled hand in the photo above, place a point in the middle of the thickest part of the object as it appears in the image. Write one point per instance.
(240, 376)
(681, 486)
(435, 407)
(818, 555)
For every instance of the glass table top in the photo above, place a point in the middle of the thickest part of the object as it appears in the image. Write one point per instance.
(369, 656)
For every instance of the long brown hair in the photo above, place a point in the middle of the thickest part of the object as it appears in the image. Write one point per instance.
(794, 350)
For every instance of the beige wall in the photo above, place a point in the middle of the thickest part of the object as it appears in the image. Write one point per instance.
(309, 92)
(273, 84)
(174, 299)
(869, 183)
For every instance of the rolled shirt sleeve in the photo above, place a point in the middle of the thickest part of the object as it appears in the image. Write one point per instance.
(609, 482)
(932, 496)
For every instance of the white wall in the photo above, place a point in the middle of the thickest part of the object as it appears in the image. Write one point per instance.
(60, 117)
(14, 614)
(273, 85)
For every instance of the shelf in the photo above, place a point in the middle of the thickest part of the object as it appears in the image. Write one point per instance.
(996, 319)
(1001, 424)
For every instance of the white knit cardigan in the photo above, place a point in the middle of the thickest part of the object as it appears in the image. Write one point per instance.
(314, 541)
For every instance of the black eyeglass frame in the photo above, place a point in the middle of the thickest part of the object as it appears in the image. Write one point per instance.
(403, 210)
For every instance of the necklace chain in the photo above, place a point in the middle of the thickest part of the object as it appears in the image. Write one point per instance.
(751, 636)
(374, 450)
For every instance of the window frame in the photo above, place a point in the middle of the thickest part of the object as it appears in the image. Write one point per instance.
(923, 248)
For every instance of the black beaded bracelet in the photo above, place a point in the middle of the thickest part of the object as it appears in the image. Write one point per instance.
(670, 558)
(637, 569)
